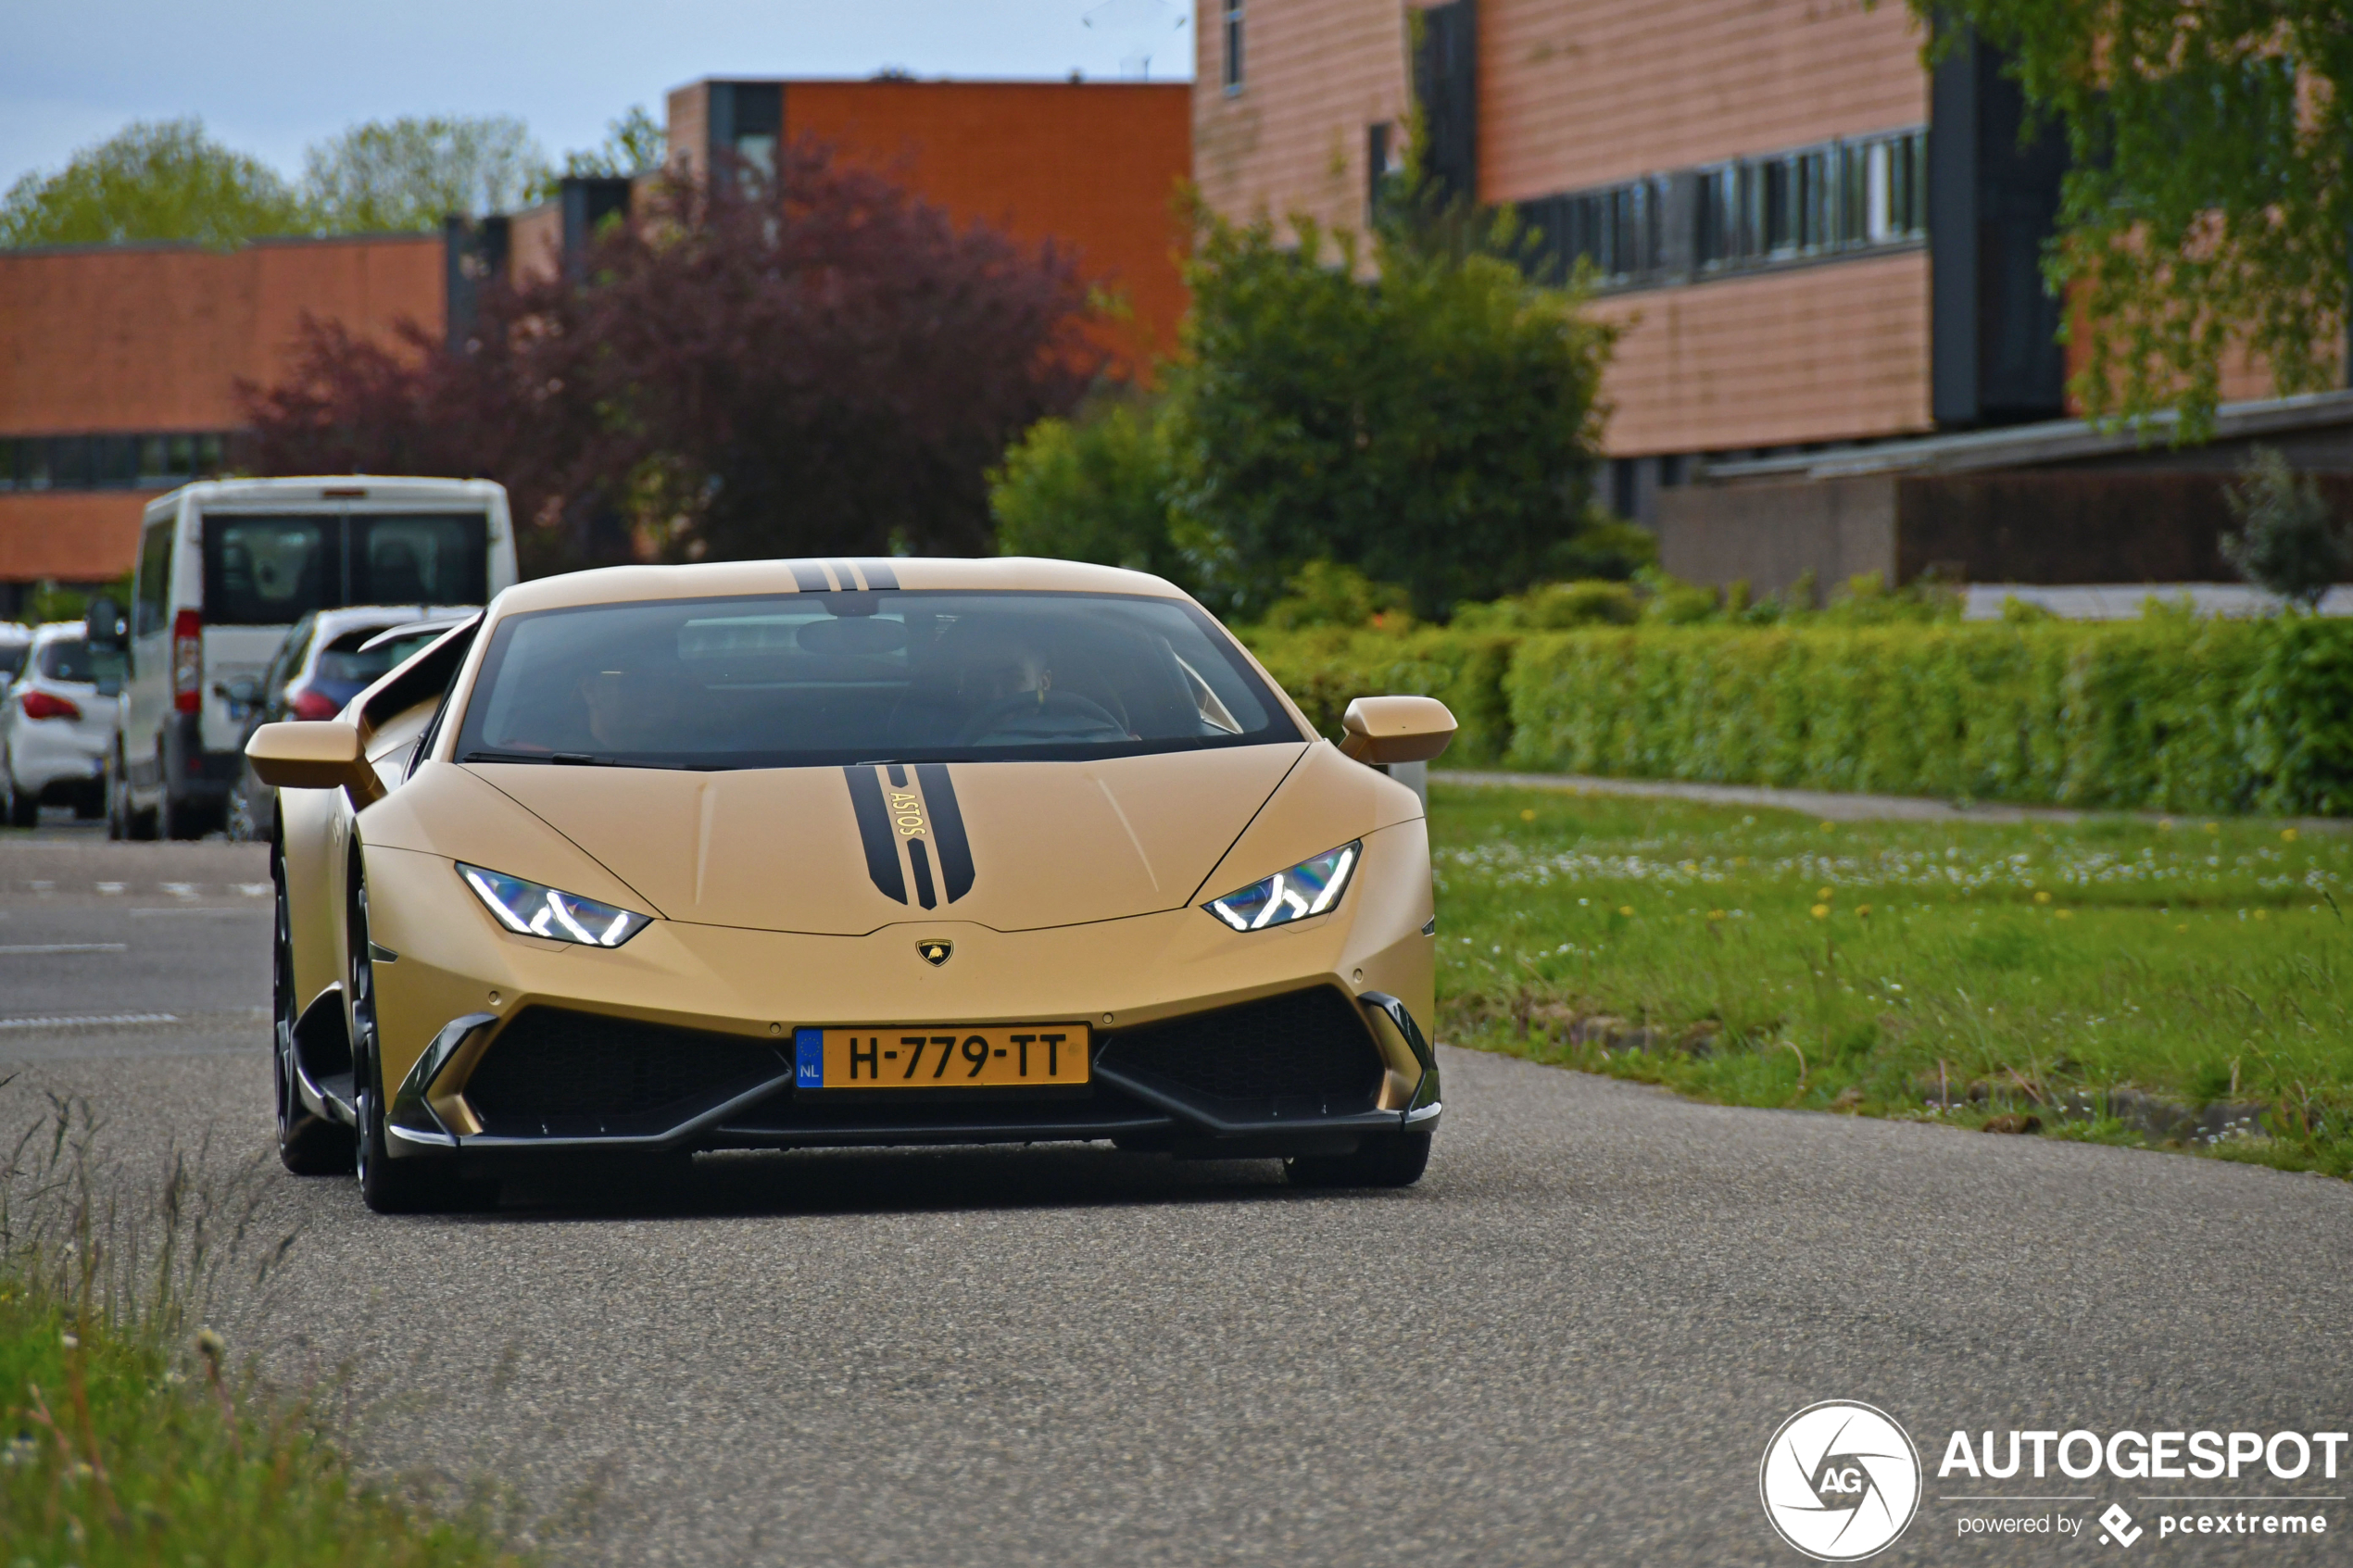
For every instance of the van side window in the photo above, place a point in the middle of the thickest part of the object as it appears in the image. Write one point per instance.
(149, 614)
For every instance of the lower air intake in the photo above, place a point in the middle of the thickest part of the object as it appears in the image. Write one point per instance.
(1306, 1053)
(556, 1073)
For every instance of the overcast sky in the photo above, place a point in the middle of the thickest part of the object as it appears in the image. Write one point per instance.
(272, 76)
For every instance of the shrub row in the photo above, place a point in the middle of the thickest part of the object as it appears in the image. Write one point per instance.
(2165, 713)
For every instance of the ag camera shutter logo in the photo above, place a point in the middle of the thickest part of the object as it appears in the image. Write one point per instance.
(1840, 1481)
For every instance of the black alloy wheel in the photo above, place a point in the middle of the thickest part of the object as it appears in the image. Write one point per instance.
(308, 1144)
(1383, 1159)
(419, 1185)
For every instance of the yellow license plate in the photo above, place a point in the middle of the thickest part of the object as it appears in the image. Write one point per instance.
(1025, 1055)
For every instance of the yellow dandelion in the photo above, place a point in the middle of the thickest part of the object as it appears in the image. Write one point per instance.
(1830, 827)
(2212, 828)
(1714, 914)
(1821, 911)
(2065, 914)
(2262, 914)
(1626, 909)
(2287, 836)
(2041, 897)
(2181, 928)
(1863, 911)
(1824, 894)
(2165, 824)
(1527, 816)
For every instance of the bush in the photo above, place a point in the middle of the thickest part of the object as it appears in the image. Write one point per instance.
(1324, 669)
(1092, 488)
(1436, 429)
(2165, 713)
(2288, 542)
(1323, 594)
(1555, 607)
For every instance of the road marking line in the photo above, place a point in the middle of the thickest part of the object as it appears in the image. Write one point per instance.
(89, 1019)
(68, 947)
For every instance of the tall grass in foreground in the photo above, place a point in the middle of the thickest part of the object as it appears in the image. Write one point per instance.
(1962, 971)
(127, 1435)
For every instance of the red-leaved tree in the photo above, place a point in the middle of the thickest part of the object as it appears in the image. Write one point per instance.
(820, 364)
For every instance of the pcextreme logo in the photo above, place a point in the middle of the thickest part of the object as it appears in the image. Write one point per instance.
(1840, 1481)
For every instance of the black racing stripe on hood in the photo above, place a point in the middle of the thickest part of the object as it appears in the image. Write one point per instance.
(873, 831)
(921, 861)
(809, 577)
(946, 827)
(877, 574)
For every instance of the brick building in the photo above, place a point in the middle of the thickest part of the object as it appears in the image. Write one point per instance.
(118, 363)
(1812, 240)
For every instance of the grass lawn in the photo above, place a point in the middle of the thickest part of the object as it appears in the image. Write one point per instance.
(2014, 975)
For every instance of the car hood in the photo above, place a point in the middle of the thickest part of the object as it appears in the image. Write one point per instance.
(1013, 845)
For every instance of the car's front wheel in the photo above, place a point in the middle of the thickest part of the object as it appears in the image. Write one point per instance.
(308, 1144)
(1383, 1159)
(388, 1185)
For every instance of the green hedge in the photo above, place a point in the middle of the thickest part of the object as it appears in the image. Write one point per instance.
(1324, 669)
(2162, 714)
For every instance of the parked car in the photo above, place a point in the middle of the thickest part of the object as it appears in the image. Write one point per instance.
(225, 569)
(16, 641)
(56, 729)
(328, 659)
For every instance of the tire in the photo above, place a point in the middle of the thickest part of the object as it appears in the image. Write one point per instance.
(24, 810)
(308, 1144)
(413, 1185)
(180, 819)
(124, 819)
(1383, 1159)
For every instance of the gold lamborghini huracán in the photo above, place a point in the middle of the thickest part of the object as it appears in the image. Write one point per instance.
(784, 854)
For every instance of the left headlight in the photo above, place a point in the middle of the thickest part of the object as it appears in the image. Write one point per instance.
(535, 910)
(1310, 887)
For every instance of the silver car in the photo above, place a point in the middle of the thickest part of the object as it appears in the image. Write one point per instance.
(56, 729)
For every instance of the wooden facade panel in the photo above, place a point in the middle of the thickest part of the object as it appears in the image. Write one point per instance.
(1829, 353)
(1578, 93)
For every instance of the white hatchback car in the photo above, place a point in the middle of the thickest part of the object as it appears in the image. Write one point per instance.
(56, 729)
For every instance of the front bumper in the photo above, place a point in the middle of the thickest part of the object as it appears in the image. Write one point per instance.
(1210, 1043)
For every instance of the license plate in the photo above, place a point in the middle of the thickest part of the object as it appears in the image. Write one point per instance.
(1032, 1055)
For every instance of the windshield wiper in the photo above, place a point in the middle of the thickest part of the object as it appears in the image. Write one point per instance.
(538, 757)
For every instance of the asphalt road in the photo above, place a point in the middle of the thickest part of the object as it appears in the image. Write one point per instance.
(1569, 1343)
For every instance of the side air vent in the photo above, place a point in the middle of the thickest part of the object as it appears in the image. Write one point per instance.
(1307, 1053)
(552, 1073)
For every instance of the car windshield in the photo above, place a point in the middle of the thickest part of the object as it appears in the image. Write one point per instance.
(812, 679)
(65, 659)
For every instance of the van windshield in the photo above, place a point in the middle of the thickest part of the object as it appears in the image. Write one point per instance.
(814, 679)
(271, 570)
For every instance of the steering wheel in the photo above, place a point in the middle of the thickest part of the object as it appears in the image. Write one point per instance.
(1052, 715)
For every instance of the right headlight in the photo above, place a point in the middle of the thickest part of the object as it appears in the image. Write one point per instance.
(533, 908)
(1310, 887)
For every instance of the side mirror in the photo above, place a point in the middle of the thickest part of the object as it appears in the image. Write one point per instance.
(1383, 731)
(322, 754)
(106, 632)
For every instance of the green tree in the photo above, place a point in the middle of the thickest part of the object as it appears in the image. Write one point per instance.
(1092, 488)
(1437, 428)
(633, 144)
(161, 179)
(405, 175)
(2210, 196)
(2288, 542)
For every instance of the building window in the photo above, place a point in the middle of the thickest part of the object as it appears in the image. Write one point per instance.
(109, 462)
(1233, 45)
(1837, 197)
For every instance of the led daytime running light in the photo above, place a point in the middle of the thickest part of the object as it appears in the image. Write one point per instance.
(1311, 887)
(531, 908)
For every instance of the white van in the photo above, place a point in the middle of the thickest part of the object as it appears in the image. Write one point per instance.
(225, 567)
